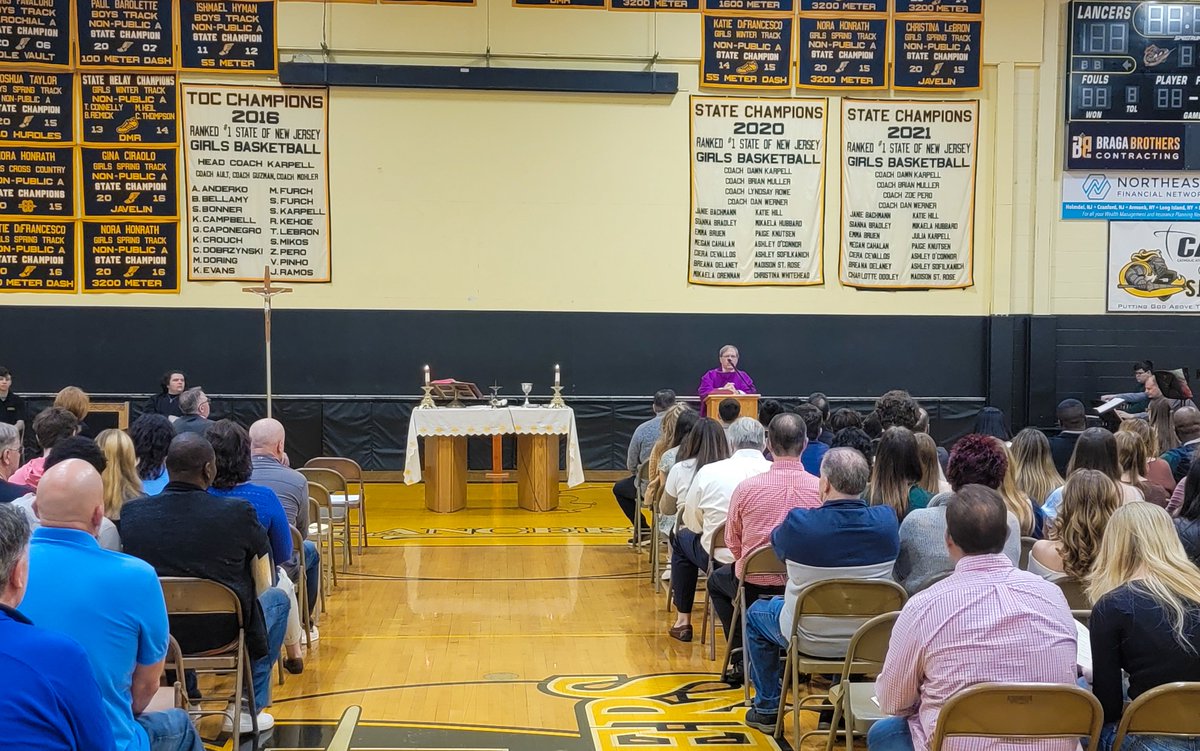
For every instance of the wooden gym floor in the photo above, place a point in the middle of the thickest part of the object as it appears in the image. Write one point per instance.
(497, 628)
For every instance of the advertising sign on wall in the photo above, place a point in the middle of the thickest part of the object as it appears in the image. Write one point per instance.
(1124, 196)
(1154, 267)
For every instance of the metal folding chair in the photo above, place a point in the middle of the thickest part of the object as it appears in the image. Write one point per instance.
(322, 529)
(760, 561)
(338, 515)
(851, 699)
(1169, 709)
(708, 626)
(353, 474)
(1023, 711)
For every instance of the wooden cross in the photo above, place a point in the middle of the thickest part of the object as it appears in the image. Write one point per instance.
(266, 291)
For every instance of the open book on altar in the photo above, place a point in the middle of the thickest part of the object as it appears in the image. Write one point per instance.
(448, 388)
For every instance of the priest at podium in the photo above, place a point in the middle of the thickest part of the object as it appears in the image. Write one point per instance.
(725, 378)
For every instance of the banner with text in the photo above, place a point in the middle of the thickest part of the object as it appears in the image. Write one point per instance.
(758, 177)
(908, 193)
(37, 255)
(36, 33)
(1124, 196)
(36, 107)
(257, 182)
(1154, 267)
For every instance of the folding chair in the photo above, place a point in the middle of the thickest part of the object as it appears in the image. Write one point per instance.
(171, 694)
(1026, 549)
(757, 562)
(837, 600)
(323, 531)
(325, 524)
(1073, 589)
(639, 479)
(338, 514)
(192, 597)
(352, 472)
(708, 626)
(853, 699)
(302, 583)
(1020, 710)
(1169, 709)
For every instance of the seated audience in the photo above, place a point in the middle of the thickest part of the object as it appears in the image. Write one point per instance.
(1136, 402)
(664, 443)
(990, 421)
(1187, 524)
(815, 451)
(1186, 422)
(843, 418)
(1132, 459)
(842, 539)
(112, 604)
(1029, 517)
(75, 447)
(923, 427)
(1089, 499)
(1072, 421)
(231, 447)
(52, 426)
(664, 456)
(896, 473)
(857, 439)
(897, 409)
(1036, 475)
(12, 406)
(705, 509)
(166, 401)
(933, 480)
(51, 701)
(195, 407)
(872, 426)
(767, 409)
(759, 505)
(644, 436)
(151, 436)
(10, 458)
(821, 402)
(1157, 471)
(185, 531)
(121, 481)
(704, 445)
(975, 460)
(1146, 622)
(729, 410)
(988, 621)
(269, 468)
(1095, 449)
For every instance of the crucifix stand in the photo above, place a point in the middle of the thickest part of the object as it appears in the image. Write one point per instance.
(266, 291)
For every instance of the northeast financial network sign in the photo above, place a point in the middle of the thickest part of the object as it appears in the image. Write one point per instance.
(1125, 196)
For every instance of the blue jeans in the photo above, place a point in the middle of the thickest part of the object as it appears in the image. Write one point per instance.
(763, 640)
(312, 573)
(890, 734)
(171, 730)
(1145, 742)
(275, 606)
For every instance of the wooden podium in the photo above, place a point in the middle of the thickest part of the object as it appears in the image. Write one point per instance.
(748, 403)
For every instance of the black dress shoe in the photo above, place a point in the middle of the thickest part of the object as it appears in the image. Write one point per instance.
(294, 665)
(735, 676)
(682, 633)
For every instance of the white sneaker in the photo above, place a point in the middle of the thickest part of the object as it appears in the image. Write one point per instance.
(666, 574)
(313, 633)
(246, 726)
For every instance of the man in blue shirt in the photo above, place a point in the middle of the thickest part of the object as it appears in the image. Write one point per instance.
(842, 539)
(49, 701)
(814, 452)
(110, 603)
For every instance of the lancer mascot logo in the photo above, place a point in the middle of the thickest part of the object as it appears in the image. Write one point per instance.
(1146, 275)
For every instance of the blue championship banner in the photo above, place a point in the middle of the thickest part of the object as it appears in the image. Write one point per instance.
(129, 108)
(748, 6)
(588, 4)
(746, 52)
(230, 36)
(938, 54)
(130, 256)
(1133, 146)
(36, 32)
(36, 107)
(842, 53)
(126, 33)
(941, 7)
(37, 256)
(844, 6)
(37, 181)
(656, 5)
(129, 182)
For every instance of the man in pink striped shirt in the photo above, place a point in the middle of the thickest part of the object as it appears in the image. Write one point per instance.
(759, 505)
(988, 621)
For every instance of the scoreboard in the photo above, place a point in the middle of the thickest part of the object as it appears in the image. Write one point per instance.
(1133, 85)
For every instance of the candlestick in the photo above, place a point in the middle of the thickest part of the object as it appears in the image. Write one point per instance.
(556, 374)
(426, 375)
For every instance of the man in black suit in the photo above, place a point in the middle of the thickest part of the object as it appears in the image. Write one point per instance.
(1073, 421)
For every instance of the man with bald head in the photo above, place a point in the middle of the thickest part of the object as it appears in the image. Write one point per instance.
(185, 531)
(109, 602)
(1186, 422)
(270, 469)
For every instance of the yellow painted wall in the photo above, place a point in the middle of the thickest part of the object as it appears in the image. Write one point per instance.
(465, 200)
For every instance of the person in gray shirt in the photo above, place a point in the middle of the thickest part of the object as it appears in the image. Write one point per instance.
(270, 469)
(644, 438)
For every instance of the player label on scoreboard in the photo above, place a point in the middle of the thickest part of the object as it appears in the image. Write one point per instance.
(1154, 267)
(126, 34)
(130, 181)
(37, 32)
(1133, 83)
(36, 181)
(842, 53)
(36, 107)
(129, 107)
(231, 36)
(130, 256)
(758, 175)
(938, 53)
(258, 182)
(747, 52)
(908, 194)
(37, 256)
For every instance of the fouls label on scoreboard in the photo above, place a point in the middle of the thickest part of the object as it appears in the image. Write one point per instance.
(258, 177)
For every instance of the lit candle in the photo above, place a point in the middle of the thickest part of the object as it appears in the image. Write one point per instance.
(555, 374)
(426, 375)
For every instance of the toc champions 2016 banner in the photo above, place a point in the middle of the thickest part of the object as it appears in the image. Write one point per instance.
(1154, 267)
(758, 178)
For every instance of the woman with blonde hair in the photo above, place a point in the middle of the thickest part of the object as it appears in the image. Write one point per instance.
(1146, 620)
(1157, 471)
(1089, 499)
(667, 447)
(1160, 423)
(1036, 474)
(932, 479)
(1131, 454)
(1016, 501)
(120, 476)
